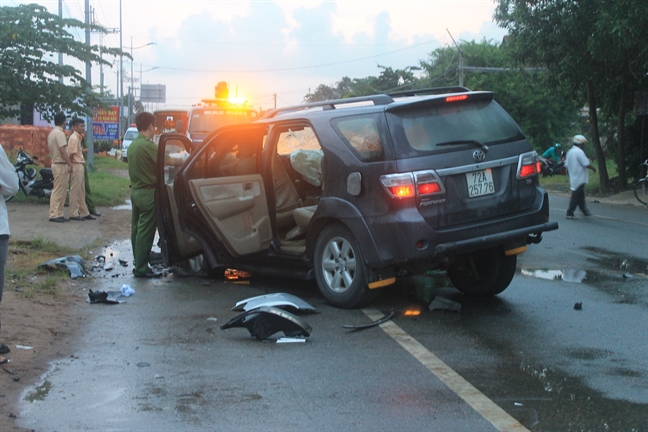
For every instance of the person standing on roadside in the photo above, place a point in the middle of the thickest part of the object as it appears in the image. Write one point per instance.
(61, 168)
(92, 208)
(78, 209)
(142, 156)
(142, 163)
(8, 187)
(577, 165)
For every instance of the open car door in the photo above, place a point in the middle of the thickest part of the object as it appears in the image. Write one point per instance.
(220, 195)
(175, 244)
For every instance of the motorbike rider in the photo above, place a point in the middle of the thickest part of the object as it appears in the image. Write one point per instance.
(552, 160)
(553, 153)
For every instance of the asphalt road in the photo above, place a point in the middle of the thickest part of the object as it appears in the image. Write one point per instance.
(525, 359)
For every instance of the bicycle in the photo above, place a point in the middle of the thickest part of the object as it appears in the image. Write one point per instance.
(641, 187)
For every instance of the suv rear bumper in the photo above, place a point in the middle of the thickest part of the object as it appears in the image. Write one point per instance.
(405, 237)
(473, 244)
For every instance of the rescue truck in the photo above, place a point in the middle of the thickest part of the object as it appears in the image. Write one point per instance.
(210, 114)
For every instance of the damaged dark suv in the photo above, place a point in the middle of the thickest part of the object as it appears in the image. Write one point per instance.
(355, 192)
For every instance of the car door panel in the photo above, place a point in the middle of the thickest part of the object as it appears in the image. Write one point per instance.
(187, 244)
(236, 211)
(176, 245)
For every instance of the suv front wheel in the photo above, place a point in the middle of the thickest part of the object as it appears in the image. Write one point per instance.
(483, 273)
(340, 270)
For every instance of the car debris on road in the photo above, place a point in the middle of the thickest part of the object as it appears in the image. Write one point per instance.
(442, 303)
(284, 301)
(74, 263)
(385, 318)
(265, 321)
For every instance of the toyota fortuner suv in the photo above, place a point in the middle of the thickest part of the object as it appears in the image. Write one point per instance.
(355, 192)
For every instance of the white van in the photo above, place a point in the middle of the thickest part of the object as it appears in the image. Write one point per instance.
(129, 136)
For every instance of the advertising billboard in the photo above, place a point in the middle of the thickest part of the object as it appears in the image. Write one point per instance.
(105, 124)
(153, 93)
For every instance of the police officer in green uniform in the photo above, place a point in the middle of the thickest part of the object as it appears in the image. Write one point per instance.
(142, 156)
(92, 208)
(142, 161)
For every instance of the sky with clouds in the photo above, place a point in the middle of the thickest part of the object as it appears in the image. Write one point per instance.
(267, 48)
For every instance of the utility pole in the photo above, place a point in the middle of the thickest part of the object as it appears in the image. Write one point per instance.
(121, 74)
(89, 137)
(461, 60)
(130, 87)
(101, 73)
(60, 54)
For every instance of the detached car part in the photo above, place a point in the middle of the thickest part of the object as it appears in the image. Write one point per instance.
(73, 263)
(284, 301)
(104, 297)
(265, 321)
(385, 318)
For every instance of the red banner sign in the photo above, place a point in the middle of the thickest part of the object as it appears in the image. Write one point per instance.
(101, 115)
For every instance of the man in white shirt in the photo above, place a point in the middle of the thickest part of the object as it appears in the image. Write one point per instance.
(8, 187)
(577, 165)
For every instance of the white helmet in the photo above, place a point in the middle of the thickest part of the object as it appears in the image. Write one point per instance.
(579, 140)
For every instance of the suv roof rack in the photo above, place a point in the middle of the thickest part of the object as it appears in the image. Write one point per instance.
(380, 99)
(431, 90)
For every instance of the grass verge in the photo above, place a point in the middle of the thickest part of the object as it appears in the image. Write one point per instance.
(23, 272)
(107, 188)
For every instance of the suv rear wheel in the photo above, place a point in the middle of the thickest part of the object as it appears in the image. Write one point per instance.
(483, 273)
(340, 270)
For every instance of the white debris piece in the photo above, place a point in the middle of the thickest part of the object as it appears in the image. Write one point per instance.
(290, 340)
(126, 290)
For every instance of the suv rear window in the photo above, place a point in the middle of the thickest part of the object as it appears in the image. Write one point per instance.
(421, 129)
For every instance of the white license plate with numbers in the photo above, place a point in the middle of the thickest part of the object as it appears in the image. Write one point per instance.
(480, 183)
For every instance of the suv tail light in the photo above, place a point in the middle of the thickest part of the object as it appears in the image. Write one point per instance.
(399, 185)
(407, 185)
(528, 165)
(428, 183)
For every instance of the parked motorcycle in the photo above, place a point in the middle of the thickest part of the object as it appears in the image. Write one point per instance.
(550, 167)
(28, 181)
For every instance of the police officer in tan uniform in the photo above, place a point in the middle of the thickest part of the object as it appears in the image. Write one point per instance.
(78, 209)
(61, 168)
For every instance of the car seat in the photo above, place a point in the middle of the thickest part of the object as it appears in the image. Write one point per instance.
(286, 197)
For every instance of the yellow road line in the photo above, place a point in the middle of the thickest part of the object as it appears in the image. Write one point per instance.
(476, 399)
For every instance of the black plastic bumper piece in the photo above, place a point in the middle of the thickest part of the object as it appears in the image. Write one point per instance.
(477, 243)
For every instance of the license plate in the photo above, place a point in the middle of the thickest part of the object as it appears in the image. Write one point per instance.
(480, 183)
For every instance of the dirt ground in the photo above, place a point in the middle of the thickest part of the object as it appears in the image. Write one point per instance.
(46, 324)
(49, 325)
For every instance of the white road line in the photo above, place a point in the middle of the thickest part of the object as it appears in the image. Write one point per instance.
(476, 399)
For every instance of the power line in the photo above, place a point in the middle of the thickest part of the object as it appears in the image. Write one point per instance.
(294, 68)
(229, 42)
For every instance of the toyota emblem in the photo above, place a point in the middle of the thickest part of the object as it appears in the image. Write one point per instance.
(479, 155)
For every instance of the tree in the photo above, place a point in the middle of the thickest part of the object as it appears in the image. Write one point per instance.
(30, 40)
(544, 116)
(596, 50)
(389, 80)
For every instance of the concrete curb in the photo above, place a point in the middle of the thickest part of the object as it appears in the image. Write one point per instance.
(623, 198)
